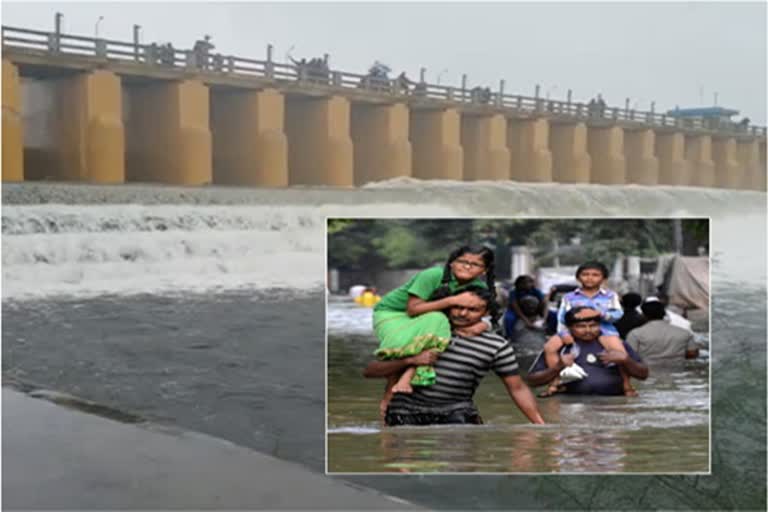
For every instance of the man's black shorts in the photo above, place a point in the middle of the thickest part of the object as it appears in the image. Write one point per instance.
(464, 416)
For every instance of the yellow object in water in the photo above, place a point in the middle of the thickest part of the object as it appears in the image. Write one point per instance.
(367, 299)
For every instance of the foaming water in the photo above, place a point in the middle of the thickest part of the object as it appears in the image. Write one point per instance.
(171, 240)
(354, 430)
(580, 199)
(345, 317)
(90, 250)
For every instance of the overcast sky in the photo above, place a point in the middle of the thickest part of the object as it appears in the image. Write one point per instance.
(673, 53)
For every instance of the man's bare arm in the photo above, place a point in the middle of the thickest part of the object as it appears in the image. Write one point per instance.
(522, 396)
(634, 369)
(545, 376)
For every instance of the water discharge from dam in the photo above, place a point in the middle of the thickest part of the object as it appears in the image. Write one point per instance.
(203, 308)
(220, 238)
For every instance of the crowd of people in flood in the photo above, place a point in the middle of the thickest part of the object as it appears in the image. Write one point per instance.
(444, 329)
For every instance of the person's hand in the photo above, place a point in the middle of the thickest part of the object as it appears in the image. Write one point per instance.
(613, 356)
(426, 358)
(465, 299)
(567, 339)
(567, 359)
(472, 330)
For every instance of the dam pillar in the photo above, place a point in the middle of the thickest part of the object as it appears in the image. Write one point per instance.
(13, 134)
(484, 142)
(639, 153)
(319, 145)
(169, 140)
(698, 154)
(570, 161)
(90, 137)
(728, 171)
(673, 167)
(761, 181)
(748, 155)
(249, 144)
(606, 149)
(380, 142)
(436, 142)
(528, 142)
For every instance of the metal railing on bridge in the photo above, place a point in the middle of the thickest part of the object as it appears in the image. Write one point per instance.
(52, 43)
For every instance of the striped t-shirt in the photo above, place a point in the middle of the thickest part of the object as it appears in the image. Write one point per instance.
(459, 369)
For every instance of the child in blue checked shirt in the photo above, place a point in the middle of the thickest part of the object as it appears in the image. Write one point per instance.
(591, 294)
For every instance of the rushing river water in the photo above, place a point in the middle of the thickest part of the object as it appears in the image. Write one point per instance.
(664, 430)
(203, 308)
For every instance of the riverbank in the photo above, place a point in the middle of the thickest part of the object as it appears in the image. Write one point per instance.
(59, 458)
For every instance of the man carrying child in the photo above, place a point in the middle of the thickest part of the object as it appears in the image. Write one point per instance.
(605, 305)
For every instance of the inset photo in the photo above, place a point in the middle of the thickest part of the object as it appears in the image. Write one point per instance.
(518, 345)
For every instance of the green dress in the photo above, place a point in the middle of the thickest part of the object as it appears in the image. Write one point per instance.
(401, 335)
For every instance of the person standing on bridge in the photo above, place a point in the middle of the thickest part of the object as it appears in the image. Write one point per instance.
(168, 55)
(592, 108)
(201, 51)
(600, 105)
(403, 83)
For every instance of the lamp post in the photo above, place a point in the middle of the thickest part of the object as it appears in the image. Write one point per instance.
(57, 30)
(96, 27)
(57, 23)
(136, 41)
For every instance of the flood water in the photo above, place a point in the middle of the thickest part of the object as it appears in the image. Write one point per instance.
(664, 430)
(171, 309)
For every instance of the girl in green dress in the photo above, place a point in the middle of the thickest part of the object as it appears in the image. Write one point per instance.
(410, 319)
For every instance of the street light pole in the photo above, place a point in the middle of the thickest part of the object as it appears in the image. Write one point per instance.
(136, 30)
(96, 27)
(57, 29)
(57, 23)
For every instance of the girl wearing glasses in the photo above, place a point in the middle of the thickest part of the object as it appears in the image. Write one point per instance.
(410, 319)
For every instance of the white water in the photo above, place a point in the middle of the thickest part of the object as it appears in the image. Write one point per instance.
(88, 250)
(342, 316)
(92, 249)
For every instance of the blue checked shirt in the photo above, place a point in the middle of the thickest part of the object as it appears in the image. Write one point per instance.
(605, 301)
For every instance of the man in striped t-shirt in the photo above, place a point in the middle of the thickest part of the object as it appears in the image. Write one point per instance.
(459, 369)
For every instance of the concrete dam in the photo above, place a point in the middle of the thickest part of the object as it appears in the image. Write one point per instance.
(81, 109)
